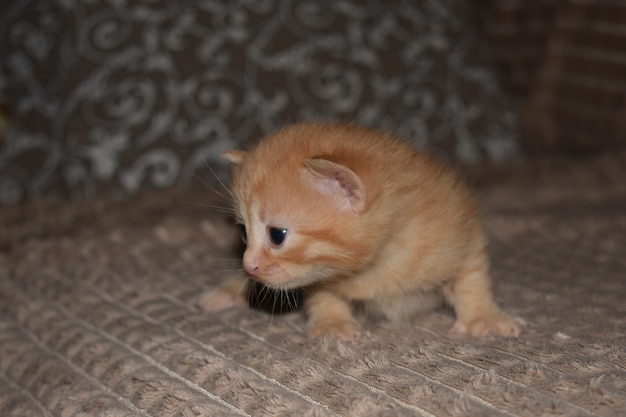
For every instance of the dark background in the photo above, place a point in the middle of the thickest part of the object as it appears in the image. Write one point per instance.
(107, 97)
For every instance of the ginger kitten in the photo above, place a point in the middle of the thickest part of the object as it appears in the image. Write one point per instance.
(351, 214)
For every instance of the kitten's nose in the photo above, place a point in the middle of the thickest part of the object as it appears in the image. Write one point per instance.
(251, 269)
(251, 265)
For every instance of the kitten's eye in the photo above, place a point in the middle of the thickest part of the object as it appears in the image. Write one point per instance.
(244, 234)
(277, 235)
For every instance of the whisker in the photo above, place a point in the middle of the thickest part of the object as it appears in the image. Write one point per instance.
(221, 209)
(245, 287)
(275, 298)
(218, 179)
(202, 154)
(298, 297)
(297, 301)
(211, 187)
(228, 209)
(227, 272)
(284, 300)
(263, 296)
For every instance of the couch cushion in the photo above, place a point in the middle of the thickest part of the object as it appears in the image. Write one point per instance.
(145, 94)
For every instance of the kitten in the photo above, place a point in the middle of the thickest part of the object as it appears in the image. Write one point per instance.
(350, 214)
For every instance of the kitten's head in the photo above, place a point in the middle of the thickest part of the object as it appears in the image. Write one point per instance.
(300, 216)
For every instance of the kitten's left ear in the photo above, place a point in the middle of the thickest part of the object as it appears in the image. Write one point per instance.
(338, 181)
(235, 157)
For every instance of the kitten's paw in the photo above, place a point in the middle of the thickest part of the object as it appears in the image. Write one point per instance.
(220, 299)
(346, 330)
(495, 324)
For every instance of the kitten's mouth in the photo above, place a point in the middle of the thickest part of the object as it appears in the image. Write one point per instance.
(277, 285)
(285, 282)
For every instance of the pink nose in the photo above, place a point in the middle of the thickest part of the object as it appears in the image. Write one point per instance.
(251, 269)
(251, 264)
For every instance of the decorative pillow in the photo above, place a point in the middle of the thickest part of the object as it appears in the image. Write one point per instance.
(140, 94)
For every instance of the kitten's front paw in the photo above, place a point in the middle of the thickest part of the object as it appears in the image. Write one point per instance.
(220, 299)
(495, 324)
(347, 330)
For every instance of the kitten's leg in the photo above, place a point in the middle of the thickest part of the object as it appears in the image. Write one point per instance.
(330, 315)
(471, 296)
(233, 292)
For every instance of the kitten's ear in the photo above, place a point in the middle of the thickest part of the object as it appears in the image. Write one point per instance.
(235, 157)
(338, 181)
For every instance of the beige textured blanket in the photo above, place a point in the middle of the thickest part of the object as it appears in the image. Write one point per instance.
(97, 316)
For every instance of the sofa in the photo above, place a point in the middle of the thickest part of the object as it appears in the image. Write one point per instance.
(113, 220)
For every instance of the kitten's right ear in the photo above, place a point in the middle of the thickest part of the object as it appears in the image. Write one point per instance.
(235, 157)
(339, 182)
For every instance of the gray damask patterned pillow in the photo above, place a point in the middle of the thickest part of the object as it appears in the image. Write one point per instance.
(114, 96)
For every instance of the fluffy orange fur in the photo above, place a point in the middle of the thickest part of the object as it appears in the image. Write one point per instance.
(364, 217)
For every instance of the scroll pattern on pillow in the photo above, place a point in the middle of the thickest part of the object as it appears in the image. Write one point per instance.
(114, 96)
